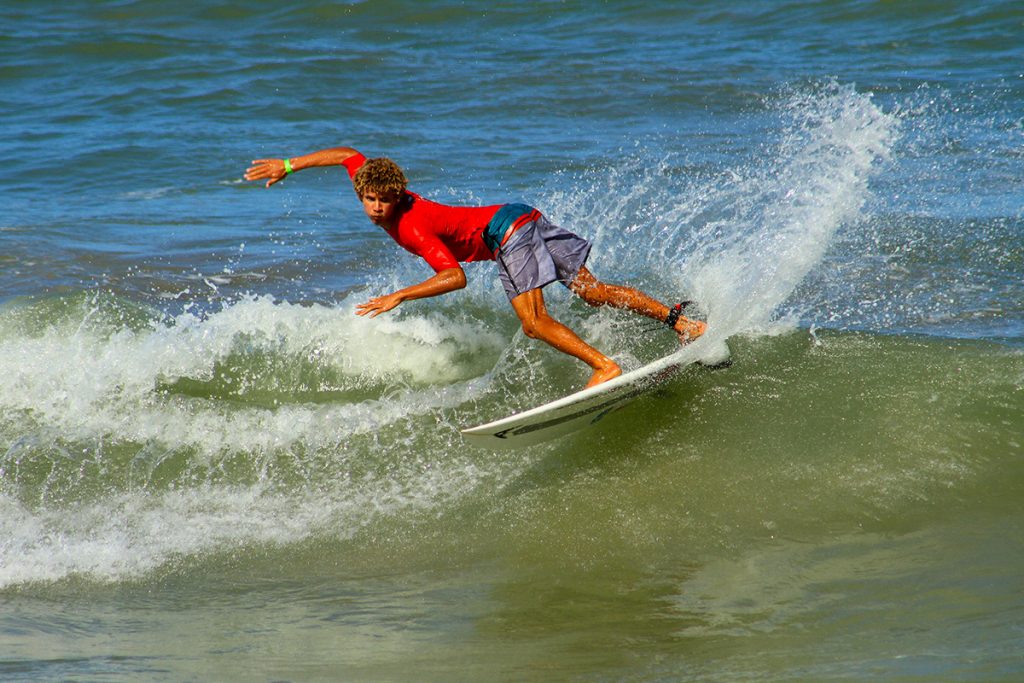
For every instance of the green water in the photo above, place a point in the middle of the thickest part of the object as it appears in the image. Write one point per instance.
(830, 507)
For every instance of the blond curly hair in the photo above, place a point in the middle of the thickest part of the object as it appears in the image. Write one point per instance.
(379, 175)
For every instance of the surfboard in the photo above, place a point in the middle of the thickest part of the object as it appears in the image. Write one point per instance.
(588, 406)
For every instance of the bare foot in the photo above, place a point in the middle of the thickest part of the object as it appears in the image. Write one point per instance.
(688, 330)
(603, 375)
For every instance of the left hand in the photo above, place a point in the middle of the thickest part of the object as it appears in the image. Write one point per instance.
(378, 305)
(447, 280)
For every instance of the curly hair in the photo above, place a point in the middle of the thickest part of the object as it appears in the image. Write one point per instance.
(379, 175)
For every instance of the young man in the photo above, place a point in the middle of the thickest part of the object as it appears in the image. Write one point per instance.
(530, 251)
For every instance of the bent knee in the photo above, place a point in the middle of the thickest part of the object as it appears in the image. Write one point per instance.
(531, 329)
(538, 326)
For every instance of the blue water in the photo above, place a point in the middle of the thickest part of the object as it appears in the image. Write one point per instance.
(211, 469)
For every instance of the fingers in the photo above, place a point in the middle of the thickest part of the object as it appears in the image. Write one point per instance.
(376, 306)
(370, 308)
(366, 309)
(270, 169)
(369, 311)
(261, 168)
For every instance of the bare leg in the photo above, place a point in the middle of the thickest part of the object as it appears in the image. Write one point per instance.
(538, 324)
(597, 293)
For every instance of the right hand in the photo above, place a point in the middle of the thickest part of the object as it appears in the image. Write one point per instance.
(270, 169)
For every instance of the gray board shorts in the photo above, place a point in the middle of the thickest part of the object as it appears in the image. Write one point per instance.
(537, 254)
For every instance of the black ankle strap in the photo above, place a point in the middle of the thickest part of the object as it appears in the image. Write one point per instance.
(676, 312)
(673, 315)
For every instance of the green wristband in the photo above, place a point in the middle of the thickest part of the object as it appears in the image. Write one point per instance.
(288, 170)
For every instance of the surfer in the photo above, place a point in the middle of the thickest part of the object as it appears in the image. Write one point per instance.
(531, 252)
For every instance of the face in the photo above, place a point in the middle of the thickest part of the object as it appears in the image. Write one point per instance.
(381, 207)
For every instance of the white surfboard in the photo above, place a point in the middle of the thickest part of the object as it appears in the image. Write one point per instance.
(587, 406)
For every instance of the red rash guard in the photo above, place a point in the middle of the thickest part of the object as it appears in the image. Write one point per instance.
(441, 235)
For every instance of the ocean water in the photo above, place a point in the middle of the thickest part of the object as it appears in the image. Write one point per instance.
(212, 470)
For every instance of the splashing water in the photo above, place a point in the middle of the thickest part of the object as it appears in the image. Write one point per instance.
(742, 239)
(785, 219)
(131, 438)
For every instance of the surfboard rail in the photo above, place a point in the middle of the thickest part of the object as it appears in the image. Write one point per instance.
(582, 408)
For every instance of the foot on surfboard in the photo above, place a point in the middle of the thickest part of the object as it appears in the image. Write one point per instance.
(682, 320)
(603, 375)
(689, 329)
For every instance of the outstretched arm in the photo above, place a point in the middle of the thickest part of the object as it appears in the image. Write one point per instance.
(448, 280)
(274, 170)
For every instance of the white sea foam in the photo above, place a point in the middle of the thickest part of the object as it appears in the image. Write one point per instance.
(92, 383)
(87, 383)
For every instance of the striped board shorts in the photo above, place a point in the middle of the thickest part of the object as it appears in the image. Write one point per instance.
(531, 251)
